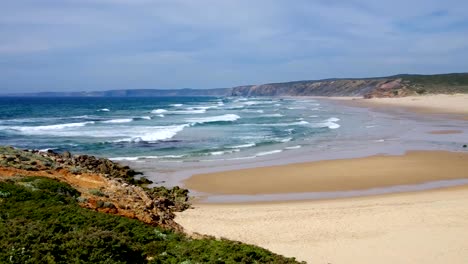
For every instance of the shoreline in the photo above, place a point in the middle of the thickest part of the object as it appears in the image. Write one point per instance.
(429, 226)
(425, 226)
(383, 132)
(339, 178)
(441, 105)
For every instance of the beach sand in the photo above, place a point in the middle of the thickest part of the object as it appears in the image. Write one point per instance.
(422, 227)
(417, 227)
(414, 167)
(456, 104)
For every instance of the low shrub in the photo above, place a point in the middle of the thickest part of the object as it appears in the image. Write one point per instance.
(45, 224)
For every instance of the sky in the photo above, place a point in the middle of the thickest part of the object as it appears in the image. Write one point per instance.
(91, 45)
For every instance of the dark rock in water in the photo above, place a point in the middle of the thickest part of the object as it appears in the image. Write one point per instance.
(464, 146)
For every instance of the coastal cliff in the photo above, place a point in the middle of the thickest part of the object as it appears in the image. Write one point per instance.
(393, 86)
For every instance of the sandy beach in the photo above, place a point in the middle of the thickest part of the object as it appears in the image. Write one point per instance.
(414, 167)
(414, 227)
(455, 104)
(422, 227)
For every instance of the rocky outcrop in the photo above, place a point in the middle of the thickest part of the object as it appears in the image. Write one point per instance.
(391, 88)
(104, 185)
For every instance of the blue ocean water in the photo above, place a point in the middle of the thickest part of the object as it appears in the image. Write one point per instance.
(167, 128)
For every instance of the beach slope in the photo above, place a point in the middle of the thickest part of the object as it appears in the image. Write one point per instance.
(422, 227)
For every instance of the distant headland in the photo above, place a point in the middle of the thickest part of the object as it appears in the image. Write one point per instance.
(390, 86)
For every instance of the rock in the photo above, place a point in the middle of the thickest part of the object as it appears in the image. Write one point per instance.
(99, 204)
(66, 155)
(464, 146)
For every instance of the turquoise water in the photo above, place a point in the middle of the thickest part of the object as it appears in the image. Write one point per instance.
(171, 128)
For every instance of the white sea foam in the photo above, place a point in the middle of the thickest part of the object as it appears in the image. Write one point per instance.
(118, 121)
(296, 108)
(332, 119)
(273, 115)
(158, 111)
(103, 110)
(329, 123)
(161, 115)
(189, 112)
(243, 146)
(300, 123)
(47, 149)
(216, 153)
(148, 157)
(242, 158)
(249, 103)
(268, 152)
(294, 147)
(332, 125)
(38, 129)
(221, 118)
(124, 159)
(177, 105)
(158, 133)
(172, 156)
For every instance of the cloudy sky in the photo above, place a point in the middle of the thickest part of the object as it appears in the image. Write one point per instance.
(65, 45)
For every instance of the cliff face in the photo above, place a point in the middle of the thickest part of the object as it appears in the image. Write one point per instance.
(393, 86)
(345, 87)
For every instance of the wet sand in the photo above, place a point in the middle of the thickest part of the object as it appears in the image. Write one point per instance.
(415, 167)
(421, 227)
(445, 132)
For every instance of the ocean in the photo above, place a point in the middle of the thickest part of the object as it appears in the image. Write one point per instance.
(167, 128)
(171, 138)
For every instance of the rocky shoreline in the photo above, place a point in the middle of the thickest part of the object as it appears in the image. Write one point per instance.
(105, 186)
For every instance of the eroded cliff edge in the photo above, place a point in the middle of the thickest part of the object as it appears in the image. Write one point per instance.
(393, 86)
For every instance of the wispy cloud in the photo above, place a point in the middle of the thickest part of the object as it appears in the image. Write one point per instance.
(104, 44)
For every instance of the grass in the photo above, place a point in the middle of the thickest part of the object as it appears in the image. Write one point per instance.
(41, 222)
(437, 83)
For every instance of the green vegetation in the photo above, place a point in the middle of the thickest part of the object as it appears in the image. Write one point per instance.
(437, 83)
(15, 158)
(41, 222)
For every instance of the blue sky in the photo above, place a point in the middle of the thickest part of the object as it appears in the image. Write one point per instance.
(74, 45)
